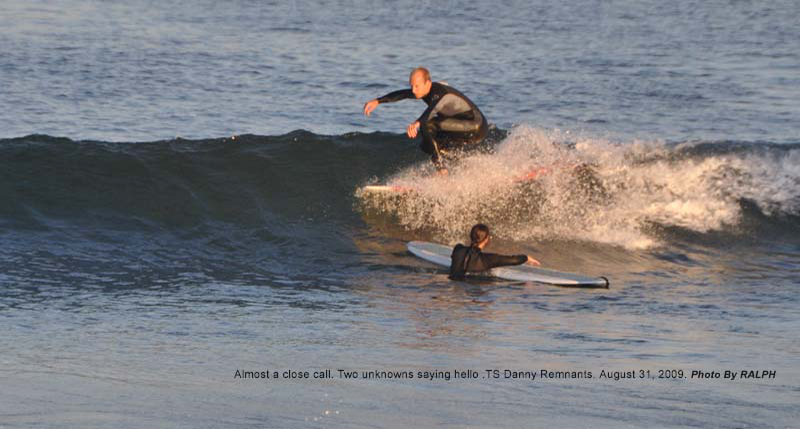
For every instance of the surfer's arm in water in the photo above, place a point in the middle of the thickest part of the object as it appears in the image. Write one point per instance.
(493, 260)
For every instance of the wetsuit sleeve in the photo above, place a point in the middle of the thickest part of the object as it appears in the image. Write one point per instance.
(398, 95)
(492, 260)
(423, 118)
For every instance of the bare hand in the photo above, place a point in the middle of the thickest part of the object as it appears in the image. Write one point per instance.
(532, 261)
(412, 129)
(369, 106)
(442, 172)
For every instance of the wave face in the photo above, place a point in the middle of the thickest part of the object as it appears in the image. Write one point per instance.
(247, 181)
(299, 188)
(632, 194)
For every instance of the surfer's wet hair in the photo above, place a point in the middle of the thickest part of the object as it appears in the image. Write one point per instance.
(425, 73)
(478, 234)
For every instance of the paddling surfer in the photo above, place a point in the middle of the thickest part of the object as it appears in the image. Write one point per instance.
(451, 120)
(471, 258)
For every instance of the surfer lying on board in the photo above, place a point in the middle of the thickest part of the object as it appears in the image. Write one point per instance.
(471, 258)
(451, 120)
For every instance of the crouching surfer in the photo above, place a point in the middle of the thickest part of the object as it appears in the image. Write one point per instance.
(451, 121)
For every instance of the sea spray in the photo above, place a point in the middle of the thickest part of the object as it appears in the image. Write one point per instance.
(594, 189)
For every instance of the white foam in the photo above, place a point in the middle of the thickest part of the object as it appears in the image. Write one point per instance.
(642, 183)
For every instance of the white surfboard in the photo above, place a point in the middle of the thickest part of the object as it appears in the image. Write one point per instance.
(531, 175)
(387, 188)
(440, 255)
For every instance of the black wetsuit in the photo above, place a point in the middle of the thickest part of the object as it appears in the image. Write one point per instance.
(451, 120)
(470, 259)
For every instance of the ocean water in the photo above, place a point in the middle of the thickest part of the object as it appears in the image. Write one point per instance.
(181, 190)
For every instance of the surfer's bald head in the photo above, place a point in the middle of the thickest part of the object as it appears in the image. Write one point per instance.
(420, 71)
(420, 81)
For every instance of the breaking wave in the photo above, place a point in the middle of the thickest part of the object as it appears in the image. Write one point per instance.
(631, 194)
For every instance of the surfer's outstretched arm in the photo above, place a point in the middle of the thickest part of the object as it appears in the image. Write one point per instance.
(492, 260)
(400, 94)
(391, 97)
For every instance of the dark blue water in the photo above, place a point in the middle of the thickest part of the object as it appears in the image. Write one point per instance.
(142, 71)
(181, 198)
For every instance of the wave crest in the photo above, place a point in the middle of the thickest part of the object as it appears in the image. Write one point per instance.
(593, 189)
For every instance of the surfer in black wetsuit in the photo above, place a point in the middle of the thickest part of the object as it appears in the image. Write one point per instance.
(451, 120)
(471, 258)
